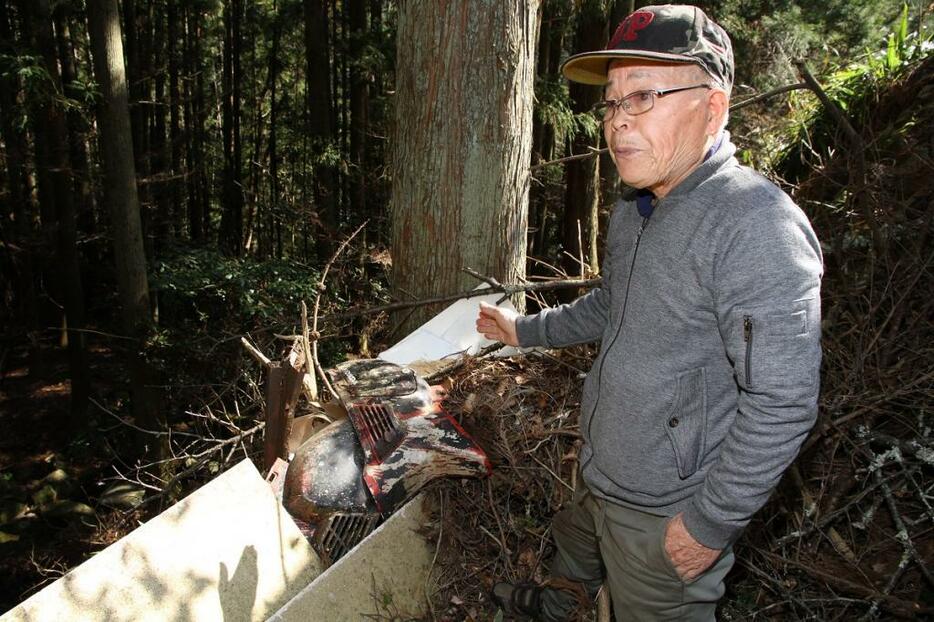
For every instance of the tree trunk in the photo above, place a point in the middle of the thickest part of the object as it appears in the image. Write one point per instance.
(163, 217)
(77, 127)
(582, 177)
(319, 122)
(175, 132)
(15, 144)
(60, 227)
(138, 87)
(273, 120)
(462, 144)
(122, 200)
(194, 125)
(359, 101)
(550, 44)
(231, 232)
(543, 225)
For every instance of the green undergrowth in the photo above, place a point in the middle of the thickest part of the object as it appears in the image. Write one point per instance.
(861, 90)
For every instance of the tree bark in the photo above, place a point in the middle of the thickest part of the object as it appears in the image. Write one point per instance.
(194, 126)
(462, 144)
(138, 89)
(544, 227)
(273, 121)
(122, 200)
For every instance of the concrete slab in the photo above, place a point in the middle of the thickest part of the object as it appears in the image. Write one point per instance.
(228, 551)
(381, 578)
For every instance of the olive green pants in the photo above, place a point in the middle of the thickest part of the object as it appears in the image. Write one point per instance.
(601, 542)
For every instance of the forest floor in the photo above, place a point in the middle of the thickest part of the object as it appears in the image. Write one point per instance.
(52, 471)
(792, 563)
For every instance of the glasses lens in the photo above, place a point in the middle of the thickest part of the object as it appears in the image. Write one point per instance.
(603, 110)
(639, 102)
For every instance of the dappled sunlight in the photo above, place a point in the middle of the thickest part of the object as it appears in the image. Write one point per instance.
(226, 552)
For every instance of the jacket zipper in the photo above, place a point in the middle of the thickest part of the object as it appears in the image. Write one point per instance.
(619, 328)
(747, 337)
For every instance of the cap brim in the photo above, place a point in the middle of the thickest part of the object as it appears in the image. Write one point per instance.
(591, 67)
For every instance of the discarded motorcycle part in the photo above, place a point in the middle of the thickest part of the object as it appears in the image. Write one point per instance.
(306, 426)
(325, 493)
(395, 439)
(326, 475)
(407, 438)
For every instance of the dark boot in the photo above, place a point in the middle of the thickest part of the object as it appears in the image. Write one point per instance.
(519, 600)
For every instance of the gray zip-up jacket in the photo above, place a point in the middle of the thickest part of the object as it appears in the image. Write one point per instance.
(708, 374)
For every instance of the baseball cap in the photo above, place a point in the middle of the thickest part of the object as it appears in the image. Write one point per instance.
(676, 33)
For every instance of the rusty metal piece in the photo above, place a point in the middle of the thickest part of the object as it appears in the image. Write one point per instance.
(276, 477)
(283, 388)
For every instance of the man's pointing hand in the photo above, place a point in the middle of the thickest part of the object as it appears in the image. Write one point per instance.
(498, 324)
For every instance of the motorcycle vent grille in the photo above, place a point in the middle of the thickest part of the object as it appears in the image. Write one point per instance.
(379, 430)
(343, 532)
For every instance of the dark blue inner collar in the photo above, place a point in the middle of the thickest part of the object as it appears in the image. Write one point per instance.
(645, 202)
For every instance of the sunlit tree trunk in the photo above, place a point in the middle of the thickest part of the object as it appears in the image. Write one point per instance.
(122, 200)
(462, 144)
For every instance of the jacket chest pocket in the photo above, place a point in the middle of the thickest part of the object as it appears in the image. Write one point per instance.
(687, 421)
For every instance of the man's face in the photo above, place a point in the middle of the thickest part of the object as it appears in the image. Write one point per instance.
(657, 149)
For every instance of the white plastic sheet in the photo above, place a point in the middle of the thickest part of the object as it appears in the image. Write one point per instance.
(449, 334)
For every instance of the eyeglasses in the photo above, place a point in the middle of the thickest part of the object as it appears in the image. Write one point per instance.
(638, 102)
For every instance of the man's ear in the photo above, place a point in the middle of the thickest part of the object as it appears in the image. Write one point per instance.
(718, 106)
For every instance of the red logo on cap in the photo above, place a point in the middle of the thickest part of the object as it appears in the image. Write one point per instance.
(630, 26)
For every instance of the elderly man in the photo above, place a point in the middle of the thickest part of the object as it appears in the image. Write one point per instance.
(707, 378)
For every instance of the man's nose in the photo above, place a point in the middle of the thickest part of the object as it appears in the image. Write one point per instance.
(620, 119)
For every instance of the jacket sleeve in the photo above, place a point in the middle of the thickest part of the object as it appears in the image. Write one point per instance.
(767, 285)
(581, 321)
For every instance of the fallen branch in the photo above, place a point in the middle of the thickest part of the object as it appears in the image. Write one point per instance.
(314, 329)
(858, 149)
(768, 95)
(902, 530)
(894, 603)
(261, 358)
(508, 290)
(572, 158)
